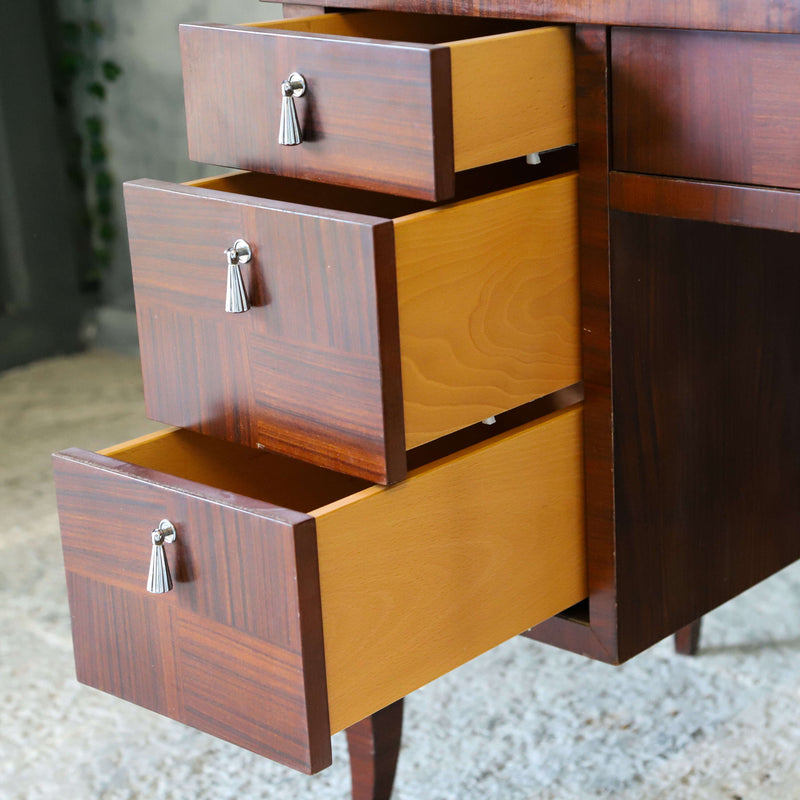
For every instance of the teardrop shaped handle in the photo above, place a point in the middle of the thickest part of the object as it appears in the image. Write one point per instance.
(159, 580)
(235, 296)
(289, 132)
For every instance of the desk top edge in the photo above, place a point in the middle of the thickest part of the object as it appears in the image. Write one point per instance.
(764, 16)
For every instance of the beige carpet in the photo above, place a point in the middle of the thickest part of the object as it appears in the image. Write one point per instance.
(522, 722)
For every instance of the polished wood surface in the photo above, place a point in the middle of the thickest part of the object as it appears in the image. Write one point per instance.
(505, 267)
(420, 577)
(706, 429)
(236, 648)
(728, 204)
(362, 125)
(380, 112)
(598, 639)
(374, 745)
(313, 369)
(743, 15)
(716, 106)
(400, 570)
(305, 372)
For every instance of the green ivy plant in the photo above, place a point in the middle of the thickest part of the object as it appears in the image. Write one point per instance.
(82, 85)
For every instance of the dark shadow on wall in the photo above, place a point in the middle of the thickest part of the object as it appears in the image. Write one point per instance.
(41, 236)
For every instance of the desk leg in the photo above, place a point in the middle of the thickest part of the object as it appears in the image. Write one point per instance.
(687, 639)
(374, 745)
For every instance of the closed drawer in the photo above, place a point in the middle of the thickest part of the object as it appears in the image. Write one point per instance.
(393, 102)
(367, 335)
(305, 600)
(703, 104)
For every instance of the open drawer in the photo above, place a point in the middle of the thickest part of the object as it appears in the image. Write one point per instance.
(304, 600)
(392, 102)
(375, 323)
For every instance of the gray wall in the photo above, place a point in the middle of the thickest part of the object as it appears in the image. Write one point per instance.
(145, 112)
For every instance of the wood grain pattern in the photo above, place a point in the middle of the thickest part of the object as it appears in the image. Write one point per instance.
(728, 204)
(737, 124)
(374, 745)
(236, 648)
(505, 267)
(497, 117)
(741, 15)
(592, 73)
(422, 576)
(492, 535)
(305, 372)
(366, 118)
(312, 370)
(706, 434)
(703, 366)
(380, 112)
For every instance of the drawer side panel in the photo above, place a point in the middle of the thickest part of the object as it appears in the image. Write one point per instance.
(505, 267)
(421, 577)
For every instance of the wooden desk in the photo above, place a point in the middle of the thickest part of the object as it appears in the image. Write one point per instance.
(688, 187)
(690, 289)
(690, 354)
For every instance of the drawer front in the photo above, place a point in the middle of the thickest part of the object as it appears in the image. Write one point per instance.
(392, 116)
(236, 649)
(739, 124)
(316, 600)
(312, 369)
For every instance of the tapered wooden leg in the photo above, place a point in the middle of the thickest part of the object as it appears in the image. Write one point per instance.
(687, 639)
(374, 745)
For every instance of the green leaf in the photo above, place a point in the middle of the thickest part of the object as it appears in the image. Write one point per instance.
(111, 70)
(94, 28)
(69, 64)
(96, 89)
(94, 126)
(97, 153)
(104, 206)
(103, 182)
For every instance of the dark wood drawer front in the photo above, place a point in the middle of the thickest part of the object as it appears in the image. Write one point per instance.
(699, 104)
(390, 103)
(302, 372)
(236, 650)
(363, 96)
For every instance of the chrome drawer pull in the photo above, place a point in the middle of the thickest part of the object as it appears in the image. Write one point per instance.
(290, 133)
(159, 580)
(235, 297)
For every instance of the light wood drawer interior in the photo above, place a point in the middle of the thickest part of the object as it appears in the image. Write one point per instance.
(413, 580)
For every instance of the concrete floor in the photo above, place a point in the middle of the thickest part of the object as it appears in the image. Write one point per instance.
(522, 722)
